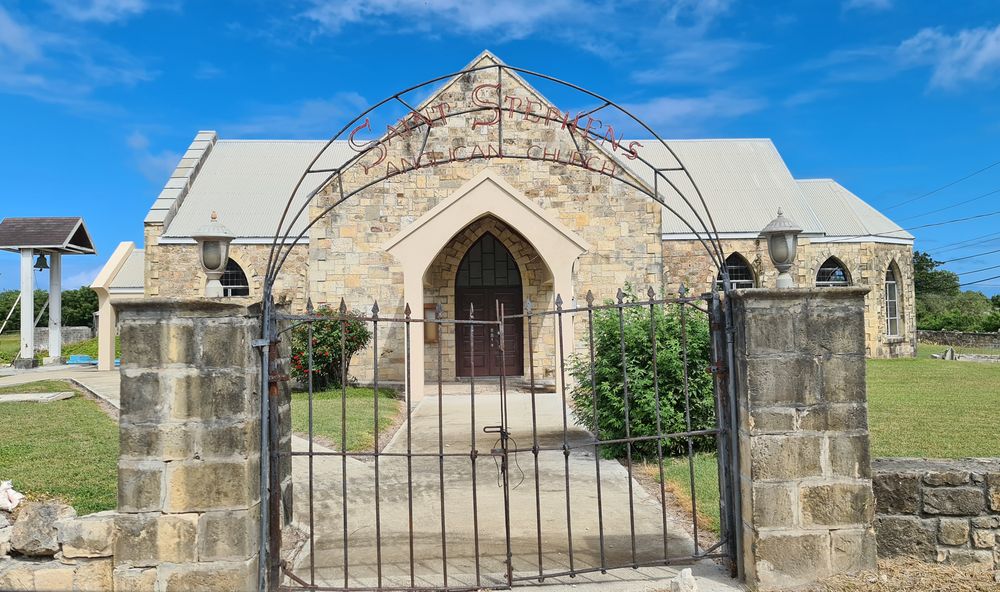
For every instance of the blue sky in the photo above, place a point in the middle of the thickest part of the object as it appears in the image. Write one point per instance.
(894, 99)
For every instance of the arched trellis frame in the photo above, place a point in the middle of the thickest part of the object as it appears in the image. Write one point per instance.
(688, 206)
(700, 223)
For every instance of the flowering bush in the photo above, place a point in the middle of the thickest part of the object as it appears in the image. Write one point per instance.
(326, 347)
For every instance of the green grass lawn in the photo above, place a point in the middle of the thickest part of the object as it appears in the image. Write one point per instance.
(66, 450)
(916, 407)
(10, 343)
(360, 415)
(933, 408)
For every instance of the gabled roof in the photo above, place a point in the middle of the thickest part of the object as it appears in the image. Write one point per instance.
(247, 182)
(743, 181)
(845, 214)
(54, 235)
(131, 276)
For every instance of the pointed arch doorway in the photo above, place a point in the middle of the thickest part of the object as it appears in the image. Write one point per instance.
(487, 278)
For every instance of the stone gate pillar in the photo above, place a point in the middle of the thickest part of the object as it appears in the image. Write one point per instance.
(189, 465)
(805, 480)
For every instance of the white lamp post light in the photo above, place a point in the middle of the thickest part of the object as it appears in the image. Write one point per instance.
(213, 246)
(782, 237)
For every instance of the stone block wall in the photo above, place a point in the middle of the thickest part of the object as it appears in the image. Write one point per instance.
(805, 482)
(69, 335)
(189, 466)
(960, 339)
(51, 548)
(939, 511)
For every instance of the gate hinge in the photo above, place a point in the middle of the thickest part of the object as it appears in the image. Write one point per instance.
(260, 343)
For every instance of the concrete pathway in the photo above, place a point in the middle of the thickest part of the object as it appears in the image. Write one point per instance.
(105, 385)
(460, 537)
(459, 474)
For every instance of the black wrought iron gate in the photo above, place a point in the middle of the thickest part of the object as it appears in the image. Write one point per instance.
(489, 482)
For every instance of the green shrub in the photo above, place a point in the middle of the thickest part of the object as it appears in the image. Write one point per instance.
(639, 361)
(326, 344)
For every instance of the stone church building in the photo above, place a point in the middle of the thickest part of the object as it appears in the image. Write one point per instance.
(477, 228)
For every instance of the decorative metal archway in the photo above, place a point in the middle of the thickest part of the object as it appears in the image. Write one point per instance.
(673, 187)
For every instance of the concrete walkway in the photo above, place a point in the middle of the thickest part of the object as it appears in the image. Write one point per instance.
(105, 385)
(460, 537)
(461, 479)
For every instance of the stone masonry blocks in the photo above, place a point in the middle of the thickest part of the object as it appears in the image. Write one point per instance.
(808, 504)
(189, 465)
(938, 510)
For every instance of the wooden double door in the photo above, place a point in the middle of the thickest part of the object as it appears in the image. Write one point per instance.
(483, 356)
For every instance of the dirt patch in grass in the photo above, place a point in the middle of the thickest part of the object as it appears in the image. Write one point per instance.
(909, 575)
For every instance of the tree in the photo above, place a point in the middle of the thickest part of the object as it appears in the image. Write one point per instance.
(78, 307)
(927, 279)
(642, 397)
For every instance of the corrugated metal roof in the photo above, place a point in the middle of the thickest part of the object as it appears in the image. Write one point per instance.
(845, 214)
(743, 182)
(132, 272)
(248, 182)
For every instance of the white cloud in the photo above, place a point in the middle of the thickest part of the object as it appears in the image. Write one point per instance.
(56, 67)
(314, 118)
(515, 18)
(155, 166)
(207, 71)
(672, 115)
(101, 11)
(696, 60)
(967, 56)
(83, 277)
(872, 5)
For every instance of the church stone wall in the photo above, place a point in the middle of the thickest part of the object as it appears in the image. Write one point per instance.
(687, 261)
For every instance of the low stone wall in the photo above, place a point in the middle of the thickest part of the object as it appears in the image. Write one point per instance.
(69, 335)
(938, 511)
(49, 547)
(958, 338)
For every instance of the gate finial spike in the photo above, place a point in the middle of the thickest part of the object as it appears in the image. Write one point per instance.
(590, 298)
(528, 306)
(375, 309)
(439, 311)
(343, 306)
(651, 293)
(309, 305)
(559, 302)
(472, 311)
(621, 296)
(682, 290)
(406, 311)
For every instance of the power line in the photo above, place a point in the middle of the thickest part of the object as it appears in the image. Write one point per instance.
(890, 233)
(970, 256)
(945, 186)
(965, 243)
(979, 281)
(977, 270)
(961, 203)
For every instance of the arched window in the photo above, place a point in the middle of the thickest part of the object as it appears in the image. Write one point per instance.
(740, 274)
(891, 301)
(234, 281)
(832, 273)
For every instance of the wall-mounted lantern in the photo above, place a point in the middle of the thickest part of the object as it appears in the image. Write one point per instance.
(782, 238)
(213, 246)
